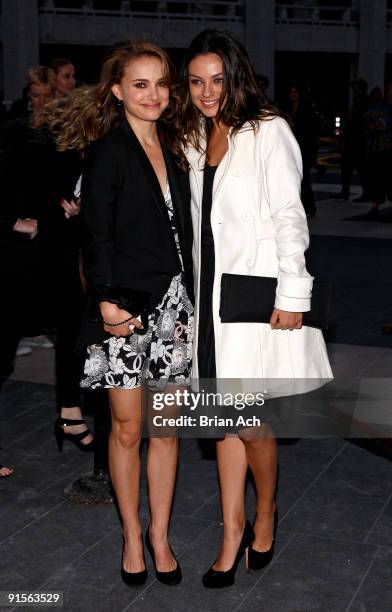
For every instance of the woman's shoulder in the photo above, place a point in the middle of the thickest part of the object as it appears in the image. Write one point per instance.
(273, 124)
(108, 145)
(266, 128)
(111, 138)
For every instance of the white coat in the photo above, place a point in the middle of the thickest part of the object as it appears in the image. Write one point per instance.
(259, 228)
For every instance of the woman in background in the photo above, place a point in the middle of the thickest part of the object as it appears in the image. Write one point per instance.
(65, 76)
(23, 180)
(306, 128)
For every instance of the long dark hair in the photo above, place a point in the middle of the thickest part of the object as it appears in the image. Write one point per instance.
(244, 101)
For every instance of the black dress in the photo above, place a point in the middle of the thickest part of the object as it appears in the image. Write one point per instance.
(206, 338)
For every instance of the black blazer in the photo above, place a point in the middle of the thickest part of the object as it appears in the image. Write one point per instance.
(129, 242)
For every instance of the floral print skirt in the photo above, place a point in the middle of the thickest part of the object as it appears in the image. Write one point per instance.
(163, 354)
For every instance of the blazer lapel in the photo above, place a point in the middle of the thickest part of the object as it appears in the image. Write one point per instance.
(148, 170)
(176, 190)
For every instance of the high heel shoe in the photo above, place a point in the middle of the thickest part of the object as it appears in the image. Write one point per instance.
(215, 579)
(133, 579)
(61, 434)
(258, 560)
(169, 578)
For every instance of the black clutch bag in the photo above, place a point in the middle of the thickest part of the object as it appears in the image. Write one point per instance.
(251, 299)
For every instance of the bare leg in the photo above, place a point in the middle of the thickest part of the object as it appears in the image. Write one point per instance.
(161, 473)
(124, 466)
(262, 456)
(232, 468)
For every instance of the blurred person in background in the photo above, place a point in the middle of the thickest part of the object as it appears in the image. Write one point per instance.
(21, 263)
(263, 84)
(378, 129)
(353, 146)
(40, 184)
(306, 129)
(61, 237)
(65, 76)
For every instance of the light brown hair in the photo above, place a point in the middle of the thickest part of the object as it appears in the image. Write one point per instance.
(92, 111)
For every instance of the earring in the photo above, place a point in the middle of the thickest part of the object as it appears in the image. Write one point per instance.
(119, 103)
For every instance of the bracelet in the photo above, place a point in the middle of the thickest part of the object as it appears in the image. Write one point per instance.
(118, 324)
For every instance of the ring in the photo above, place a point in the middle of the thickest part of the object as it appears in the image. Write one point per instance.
(131, 327)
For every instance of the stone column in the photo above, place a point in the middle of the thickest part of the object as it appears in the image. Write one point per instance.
(260, 37)
(372, 41)
(20, 44)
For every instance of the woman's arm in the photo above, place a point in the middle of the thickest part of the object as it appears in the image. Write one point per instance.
(100, 185)
(282, 166)
(100, 179)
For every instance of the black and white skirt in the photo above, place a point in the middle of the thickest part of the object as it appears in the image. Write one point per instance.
(163, 354)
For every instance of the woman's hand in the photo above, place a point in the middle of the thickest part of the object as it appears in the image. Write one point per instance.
(280, 319)
(71, 207)
(111, 313)
(26, 226)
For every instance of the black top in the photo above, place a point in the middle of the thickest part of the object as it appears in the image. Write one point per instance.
(129, 242)
(206, 339)
(206, 230)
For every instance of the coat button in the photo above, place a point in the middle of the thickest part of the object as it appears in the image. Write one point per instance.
(250, 263)
(245, 216)
(237, 172)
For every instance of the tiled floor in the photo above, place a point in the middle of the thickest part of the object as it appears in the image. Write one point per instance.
(334, 539)
(334, 543)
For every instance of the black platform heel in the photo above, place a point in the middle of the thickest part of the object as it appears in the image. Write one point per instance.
(133, 579)
(215, 579)
(258, 560)
(61, 434)
(168, 578)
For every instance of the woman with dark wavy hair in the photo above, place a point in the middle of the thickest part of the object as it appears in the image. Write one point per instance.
(135, 207)
(248, 219)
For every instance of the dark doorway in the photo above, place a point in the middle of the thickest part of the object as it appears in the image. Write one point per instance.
(326, 74)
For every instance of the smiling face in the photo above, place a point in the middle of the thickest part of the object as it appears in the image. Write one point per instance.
(65, 79)
(205, 81)
(144, 89)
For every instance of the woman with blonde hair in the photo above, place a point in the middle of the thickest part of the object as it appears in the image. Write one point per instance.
(40, 88)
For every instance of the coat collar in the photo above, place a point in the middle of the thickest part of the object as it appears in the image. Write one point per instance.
(197, 159)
